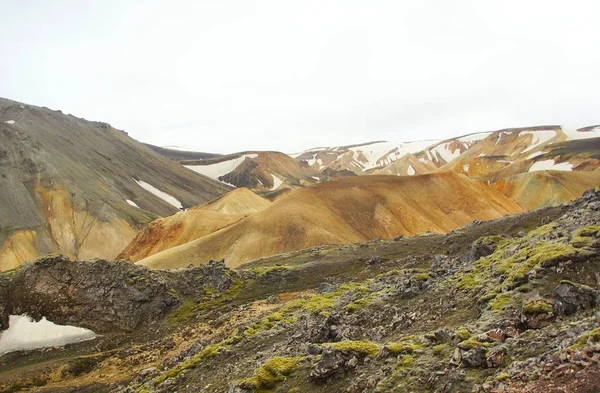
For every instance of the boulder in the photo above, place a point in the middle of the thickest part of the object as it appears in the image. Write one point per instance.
(571, 297)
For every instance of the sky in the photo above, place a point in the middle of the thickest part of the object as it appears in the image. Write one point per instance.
(233, 75)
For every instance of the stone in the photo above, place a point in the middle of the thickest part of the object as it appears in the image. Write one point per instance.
(570, 298)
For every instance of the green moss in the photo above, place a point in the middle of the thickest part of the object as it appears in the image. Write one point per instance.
(208, 352)
(183, 313)
(359, 304)
(267, 323)
(463, 333)
(365, 348)
(585, 237)
(588, 231)
(537, 307)
(501, 301)
(321, 303)
(592, 337)
(271, 373)
(403, 348)
(439, 349)
(469, 281)
(472, 343)
(420, 276)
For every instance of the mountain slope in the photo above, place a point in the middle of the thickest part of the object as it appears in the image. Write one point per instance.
(359, 158)
(345, 211)
(547, 188)
(261, 171)
(193, 223)
(81, 188)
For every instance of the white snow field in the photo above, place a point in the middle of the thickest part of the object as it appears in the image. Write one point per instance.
(573, 134)
(10, 122)
(539, 138)
(411, 171)
(276, 182)
(171, 200)
(24, 333)
(214, 171)
(132, 203)
(550, 165)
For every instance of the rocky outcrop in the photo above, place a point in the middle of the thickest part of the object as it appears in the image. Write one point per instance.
(103, 295)
(571, 297)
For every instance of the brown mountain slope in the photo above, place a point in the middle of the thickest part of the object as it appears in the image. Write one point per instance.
(345, 211)
(193, 223)
(261, 171)
(81, 188)
(546, 188)
(238, 201)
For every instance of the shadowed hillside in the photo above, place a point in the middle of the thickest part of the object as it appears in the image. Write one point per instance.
(81, 188)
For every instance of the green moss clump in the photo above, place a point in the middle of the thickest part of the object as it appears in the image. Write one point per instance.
(463, 333)
(359, 304)
(183, 313)
(588, 231)
(439, 349)
(365, 348)
(469, 281)
(420, 276)
(321, 303)
(585, 237)
(271, 373)
(537, 307)
(471, 343)
(403, 348)
(501, 301)
(592, 336)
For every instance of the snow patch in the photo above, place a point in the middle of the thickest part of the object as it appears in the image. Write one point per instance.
(410, 171)
(10, 122)
(539, 138)
(132, 203)
(22, 107)
(24, 333)
(573, 134)
(214, 171)
(444, 152)
(171, 200)
(320, 163)
(465, 168)
(550, 165)
(380, 154)
(276, 182)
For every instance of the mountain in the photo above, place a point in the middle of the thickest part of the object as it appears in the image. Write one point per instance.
(508, 305)
(81, 188)
(493, 156)
(260, 171)
(360, 158)
(194, 223)
(345, 211)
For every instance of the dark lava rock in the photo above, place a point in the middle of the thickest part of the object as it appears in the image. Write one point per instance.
(571, 297)
(102, 295)
(481, 248)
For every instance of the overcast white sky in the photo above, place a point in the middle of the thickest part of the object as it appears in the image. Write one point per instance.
(225, 76)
